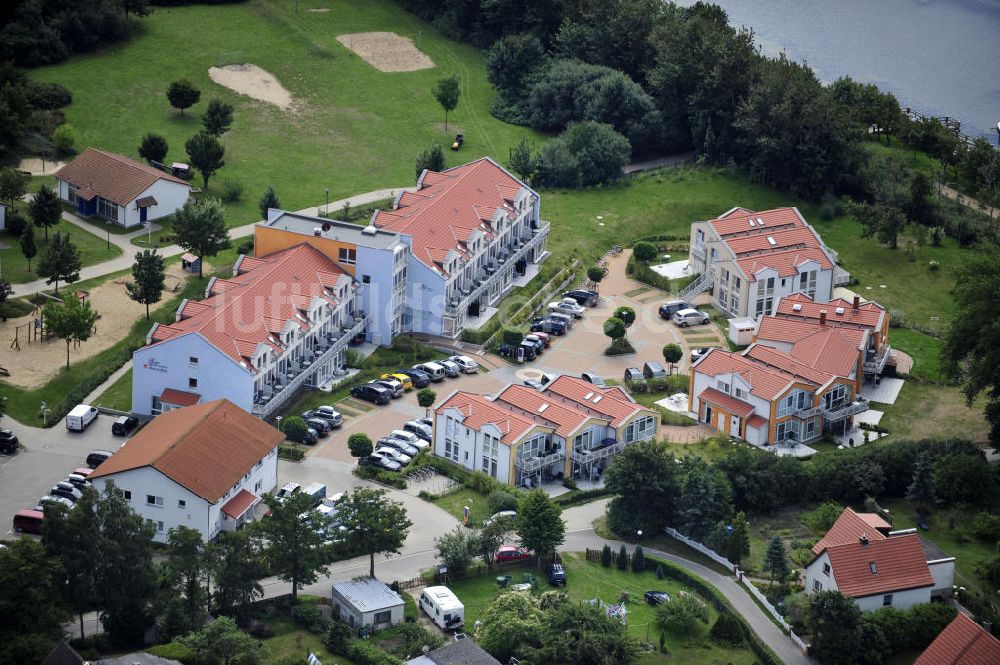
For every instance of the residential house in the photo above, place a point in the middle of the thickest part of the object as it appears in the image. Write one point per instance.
(525, 436)
(118, 189)
(766, 396)
(280, 323)
(204, 467)
(64, 654)
(962, 642)
(367, 603)
(459, 652)
(863, 559)
(750, 259)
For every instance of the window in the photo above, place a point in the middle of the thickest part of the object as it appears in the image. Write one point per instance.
(887, 600)
(193, 361)
(258, 485)
(699, 238)
(740, 393)
(181, 503)
(643, 428)
(835, 397)
(192, 382)
(158, 525)
(348, 256)
(383, 617)
(157, 407)
(817, 585)
(765, 297)
(154, 500)
(826, 569)
(125, 494)
(723, 386)
(872, 566)
(107, 209)
(491, 452)
(366, 279)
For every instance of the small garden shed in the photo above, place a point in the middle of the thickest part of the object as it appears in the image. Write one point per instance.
(366, 602)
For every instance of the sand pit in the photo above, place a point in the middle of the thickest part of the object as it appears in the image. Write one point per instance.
(38, 166)
(252, 81)
(387, 51)
(39, 361)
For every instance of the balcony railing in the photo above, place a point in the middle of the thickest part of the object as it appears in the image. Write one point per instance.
(703, 283)
(597, 454)
(840, 276)
(875, 363)
(488, 280)
(534, 464)
(264, 409)
(839, 412)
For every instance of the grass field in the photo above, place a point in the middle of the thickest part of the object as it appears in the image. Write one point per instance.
(118, 395)
(587, 580)
(925, 351)
(924, 410)
(93, 249)
(359, 129)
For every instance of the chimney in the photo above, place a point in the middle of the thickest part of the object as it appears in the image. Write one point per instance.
(863, 539)
(857, 301)
(822, 317)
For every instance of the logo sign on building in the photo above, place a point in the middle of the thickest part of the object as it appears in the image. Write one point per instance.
(155, 365)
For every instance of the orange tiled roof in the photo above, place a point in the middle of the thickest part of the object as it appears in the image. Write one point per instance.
(868, 315)
(849, 527)
(881, 566)
(782, 329)
(786, 263)
(206, 448)
(450, 206)
(828, 350)
(962, 642)
(727, 402)
(737, 221)
(756, 421)
(788, 364)
(252, 307)
(179, 397)
(110, 176)
(610, 402)
(479, 411)
(239, 504)
(567, 415)
(765, 382)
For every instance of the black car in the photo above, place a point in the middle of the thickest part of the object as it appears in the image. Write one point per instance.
(530, 350)
(371, 393)
(124, 425)
(419, 379)
(8, 442)
(656, 597)
(309, 437)
(668, 308)
(557, 576)
(321, 426)
(583, 296)
(550, 326)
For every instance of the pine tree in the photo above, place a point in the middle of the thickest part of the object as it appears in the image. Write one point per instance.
(218, 118)
(45, 209)
(922, 492)
(638, 560)
(267, 201)
(28, 246)
(606, 556)
(776, 560)
(622, 559)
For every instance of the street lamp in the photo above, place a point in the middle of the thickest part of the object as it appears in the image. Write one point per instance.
(638, 534)
(108, 225)
(326, 208)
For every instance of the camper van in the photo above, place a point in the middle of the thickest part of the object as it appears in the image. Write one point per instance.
(316, 491)
(433, 370)
(81, 416)
(443, 607)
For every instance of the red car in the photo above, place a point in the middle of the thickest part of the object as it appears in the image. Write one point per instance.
(511, 553)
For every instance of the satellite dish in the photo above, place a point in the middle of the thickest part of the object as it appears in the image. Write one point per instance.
(326, 227)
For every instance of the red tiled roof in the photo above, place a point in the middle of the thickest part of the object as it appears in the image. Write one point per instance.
(239, 504)
(610, 402)
(179, 397)
(478, 411)
(828, 350)
(451, 206)
(868, 315)
(737, 221)
(962, 642)
(756, 421)
(206, 448)
(786, 263)
(110, 176)
(567, 415)
(898, 564)
(246, 310)
(782, 329)
(765, 382)
(787, 363)
(730, 404)
(848, 528)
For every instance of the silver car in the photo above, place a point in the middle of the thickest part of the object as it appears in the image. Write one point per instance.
(567, 306)
(451, 368)
(690, 317)
(395, 455)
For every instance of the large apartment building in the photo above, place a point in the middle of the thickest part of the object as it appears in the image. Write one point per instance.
(524, 436)
(750, 259)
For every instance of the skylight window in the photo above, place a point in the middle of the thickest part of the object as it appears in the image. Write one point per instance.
(598, 398)
(750, 221)
(797, 307)
(760, 222)
(589, 395)
(771, 241)
(872, 566)
(839, 310)
(543, 407)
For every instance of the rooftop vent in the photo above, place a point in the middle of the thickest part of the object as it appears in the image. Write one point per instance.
(326, 226)
(839, 310)
(369, 230)
(771, 241)
(317, 231)
(797, 307)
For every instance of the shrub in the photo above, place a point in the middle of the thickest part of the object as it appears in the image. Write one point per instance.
(511, 336)
(823, 517)
(260, 629)
(986, 525)
(727, 630)
(933, 266)
(682, 613)
(309, 617)
(174, 651)
(501, 499)
(294, 427)
(383, 476)
(245, 248)
(15, 223)
(338, 637)
(936, 235)
(366, 653)
(48, 96)
(291, 454)
(232, 190)
(644, 251)
(64, 138)
(826, 214)
(606, 556)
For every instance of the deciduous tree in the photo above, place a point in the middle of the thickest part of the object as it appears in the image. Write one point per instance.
(491, 538)
(626, 314)
(72, 320)
(205, 153)
(582, 635)
(45, 209)
(595, 274)
(447, 92)
(294, 541)
(223, 643)
(540, 526)
(200, 229)
(881, 221)
(360, 445)
(425, 398)
(643, 478)
(182, 94)
(644, 251)
(188, 571)
(218, 117)
(682, 613)
(148, 276)
(457, 549)
(27, 241)
(615, 329)
(153, 148)
(672, 354)
(237, 567)
(373, 523)
(431, 159)
(834, 619)
(31, 602)
(13, 185)
(522, 160)
(69, 537)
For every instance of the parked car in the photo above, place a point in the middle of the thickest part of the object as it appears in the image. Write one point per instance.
(56, 500)
(316, 491)
(402, 378)
(567, 306)
(97, 457)
(123, 425)
(287, 490)
(8, 442)
(633, 376)
(583, 296)
(423, 430)
(375, 459)
(530, 350)
(653, 370)
(80, 417)
(696, 354)
(537, 342)
(451, 368)
(84, 471)
(402, 446)
(67, 490)
(668, 308)
(326, 412)
(394, 454)
(544, 336)
(28, 521)
(593, 377)
(321, 426)
(690, 317)
(566, 319)
(557, 575)
(394, 387)
(309, 437)
(79, 481)
(418, 378)
(468, 365)
(502, 515)
(512, 553)
(546, 325)
(427, 421)
(431, 369)
(656, 597)
(371, 393)
(410, 438)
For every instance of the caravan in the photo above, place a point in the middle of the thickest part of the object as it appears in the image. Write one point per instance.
(443, 607)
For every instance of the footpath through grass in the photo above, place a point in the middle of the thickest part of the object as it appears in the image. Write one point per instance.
(93, 249)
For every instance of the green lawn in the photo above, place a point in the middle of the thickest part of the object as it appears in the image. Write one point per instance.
(358, 129)
(289, 639)
(455, 502)
(924, 410)
(118, 395)
(925, 351)
(93, 249)
(587, 580)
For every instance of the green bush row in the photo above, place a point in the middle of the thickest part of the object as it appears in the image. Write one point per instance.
(383, 476)
(582, 496)
(290, 453)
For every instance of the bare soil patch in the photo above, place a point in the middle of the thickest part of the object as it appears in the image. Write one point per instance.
(319, 10)
(252, 81)
(387, 51)
(40, 360)
(38, 166)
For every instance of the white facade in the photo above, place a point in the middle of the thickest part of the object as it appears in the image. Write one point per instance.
(943, 572)
(469, 447)
(167, 504)
(169, 196)
(821, 577)
(367, 603)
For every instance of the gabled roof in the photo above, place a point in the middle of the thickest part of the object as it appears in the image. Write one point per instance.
(849, 528)
(962, 642)
(450, 207)
(736, 222)
(254, 306)
(787, 363)
(786, 263)
(368, 594)
(110, 176)
(765, 382)
(566, 415)
(206, 448)
(730, 404)
(478, 411)
(867, 315)
(828, 350)
(611, 402)
(63, 654)
(460, 652)
(784, 329)
(880, 566)
(179, 397)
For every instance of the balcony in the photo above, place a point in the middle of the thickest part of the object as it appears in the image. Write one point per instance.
(844, 410)
(698, 254)
(606, 449)
(267, 406)
(840, 276)
(535, 464)
(487, 278)
(874, 363)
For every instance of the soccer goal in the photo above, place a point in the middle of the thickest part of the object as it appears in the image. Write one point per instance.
(230, 58)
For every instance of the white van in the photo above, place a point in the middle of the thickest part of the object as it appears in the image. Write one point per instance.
(435, 371)
(443, 607)
(81, 416)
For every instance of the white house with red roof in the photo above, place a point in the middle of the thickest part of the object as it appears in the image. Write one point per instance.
(119, 189)
(861, 557)
(474, 230)
(525, 437)
(750, 259)
(280, 323)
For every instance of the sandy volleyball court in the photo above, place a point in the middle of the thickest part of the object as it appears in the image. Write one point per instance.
(387, 51)
(252, 81)
(39, 361)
